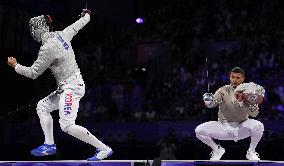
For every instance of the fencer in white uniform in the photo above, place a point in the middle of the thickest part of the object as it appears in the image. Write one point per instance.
(56, 54)
(233, 116)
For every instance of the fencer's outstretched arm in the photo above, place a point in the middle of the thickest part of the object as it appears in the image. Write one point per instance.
(43, 61)
(73, 29)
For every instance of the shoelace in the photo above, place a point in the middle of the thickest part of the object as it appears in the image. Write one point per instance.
(44, 147)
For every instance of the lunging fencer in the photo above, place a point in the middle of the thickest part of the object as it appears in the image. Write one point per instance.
(56, 53)
(237, 102)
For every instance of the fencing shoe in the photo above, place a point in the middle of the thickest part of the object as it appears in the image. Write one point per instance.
(101, 154)
(217, 154)
(44, 150)
(252, 155)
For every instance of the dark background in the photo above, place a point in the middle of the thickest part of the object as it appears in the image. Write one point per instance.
(145, 81)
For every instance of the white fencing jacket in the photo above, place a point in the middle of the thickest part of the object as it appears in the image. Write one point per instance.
(56, 53)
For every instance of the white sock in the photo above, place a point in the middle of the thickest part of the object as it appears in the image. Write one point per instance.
(46, 123)
(256, 135)
(208, 141)
(83, 134)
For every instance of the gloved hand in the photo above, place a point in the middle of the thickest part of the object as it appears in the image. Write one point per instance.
(250, 93)
(252, 98)
(208, 98)
(84, 11)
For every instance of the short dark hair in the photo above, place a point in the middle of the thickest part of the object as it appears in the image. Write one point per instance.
(238, 70)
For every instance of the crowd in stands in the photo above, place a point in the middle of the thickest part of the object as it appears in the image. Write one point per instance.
(228, 34)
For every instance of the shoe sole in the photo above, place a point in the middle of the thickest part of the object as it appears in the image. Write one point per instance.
(41, 154)
(252, 159)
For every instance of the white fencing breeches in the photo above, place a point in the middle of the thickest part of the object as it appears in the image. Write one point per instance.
(208, 131)
(66, 99)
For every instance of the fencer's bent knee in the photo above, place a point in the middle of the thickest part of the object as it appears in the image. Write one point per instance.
(39, 106)
(65, 124)
(199, 130)
(259, 128)
(41, 109)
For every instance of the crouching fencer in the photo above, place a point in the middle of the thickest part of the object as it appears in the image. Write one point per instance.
(237, 102)
(56, 53)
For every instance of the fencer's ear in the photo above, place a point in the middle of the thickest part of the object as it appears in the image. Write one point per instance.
(48, 21)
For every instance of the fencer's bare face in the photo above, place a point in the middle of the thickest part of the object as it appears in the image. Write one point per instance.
(236, 79)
